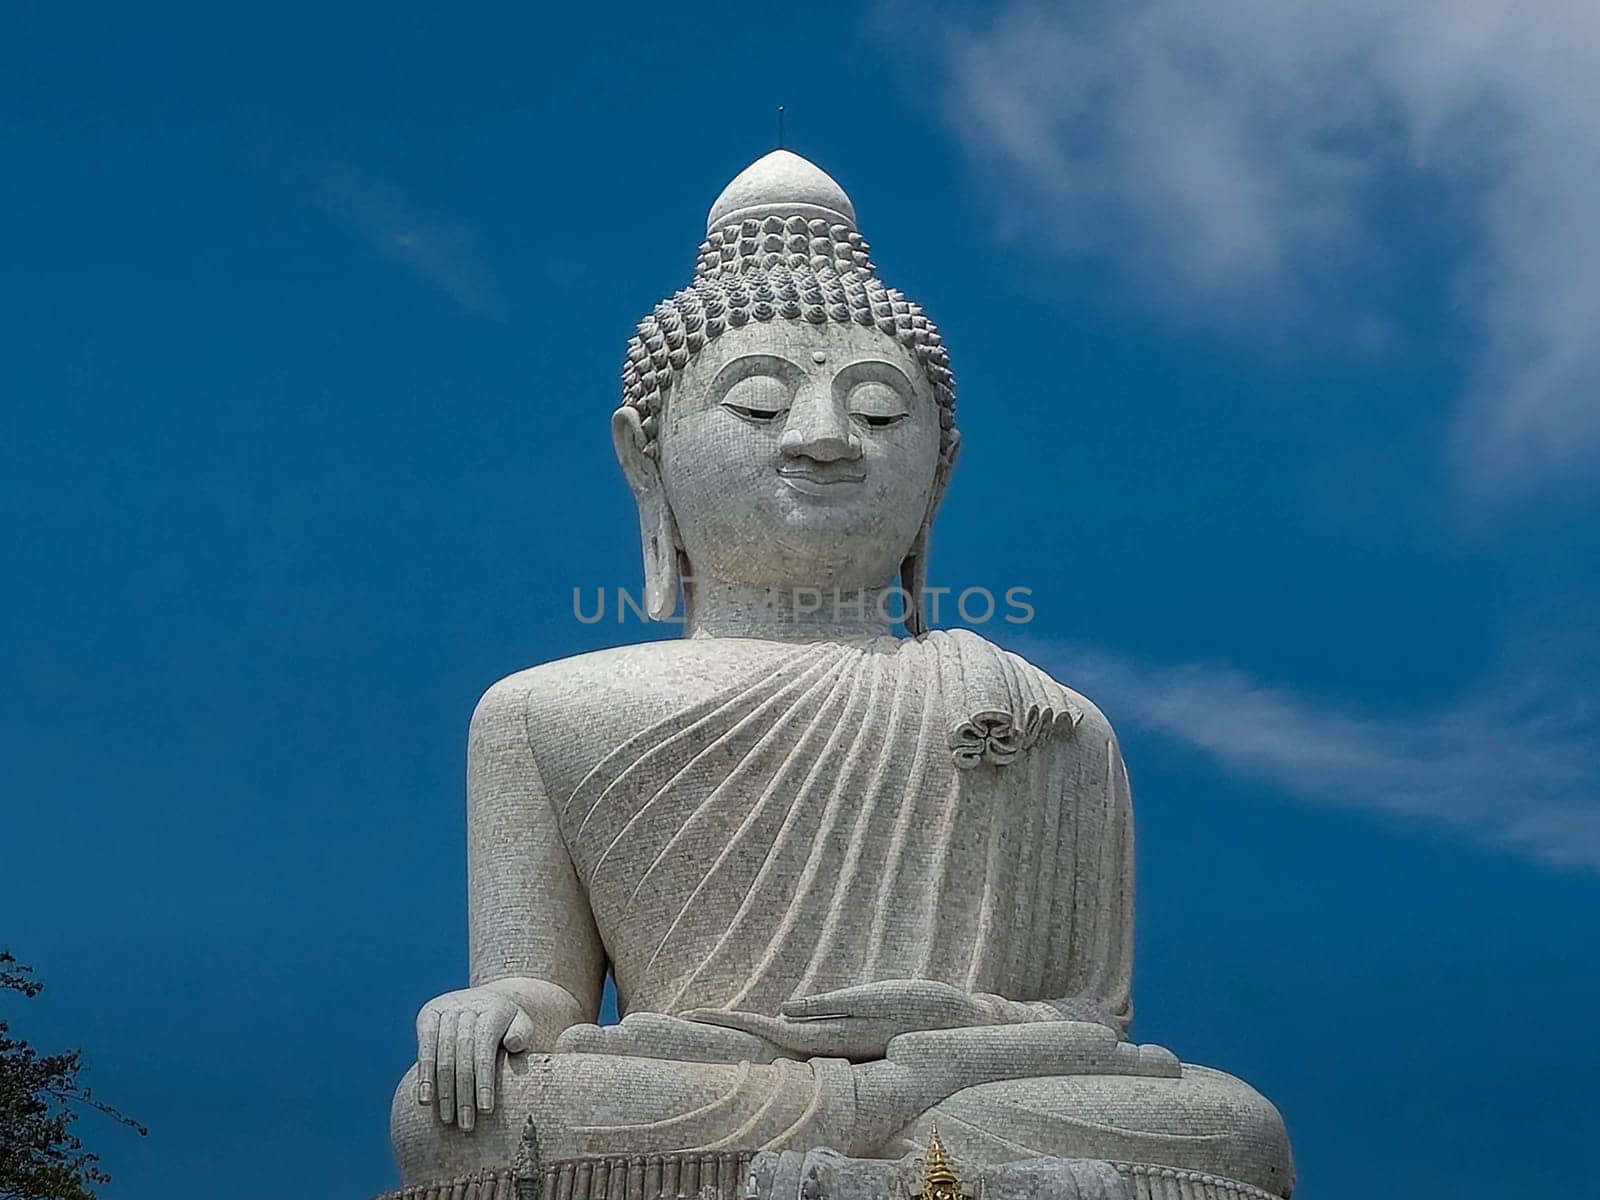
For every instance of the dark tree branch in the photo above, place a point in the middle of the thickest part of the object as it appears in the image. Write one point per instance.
(40, 1157)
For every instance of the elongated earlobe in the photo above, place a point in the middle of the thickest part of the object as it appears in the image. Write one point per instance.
(659, 534)
(914, 567)
(658, 530)
(913, 575)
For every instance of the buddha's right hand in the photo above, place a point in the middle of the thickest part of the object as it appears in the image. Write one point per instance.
(460, 1035)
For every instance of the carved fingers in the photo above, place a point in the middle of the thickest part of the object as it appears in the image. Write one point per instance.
(657, 1035)
(912, 1003)
(466, 1071)
(428, 1021)
(858, 1022)
(821, 1037)
(459, 1036)
(486, 1038)
(443, 1068)
(521, 1036)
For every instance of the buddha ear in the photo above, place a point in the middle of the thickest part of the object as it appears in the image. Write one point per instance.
(914, 567)
(658, 531)
(913, 574)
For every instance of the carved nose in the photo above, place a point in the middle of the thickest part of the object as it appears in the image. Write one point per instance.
(816, 431)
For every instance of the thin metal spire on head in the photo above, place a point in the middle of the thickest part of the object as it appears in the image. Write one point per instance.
(780, 127)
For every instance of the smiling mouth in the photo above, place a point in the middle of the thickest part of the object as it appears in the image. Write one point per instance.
(817, 481)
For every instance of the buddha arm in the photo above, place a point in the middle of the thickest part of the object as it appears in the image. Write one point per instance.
(1100, 933)
(532, 935)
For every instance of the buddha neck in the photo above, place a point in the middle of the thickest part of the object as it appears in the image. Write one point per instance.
(714, 609)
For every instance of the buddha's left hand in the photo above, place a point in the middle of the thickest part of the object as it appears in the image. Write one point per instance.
(857, 1022)
(657, 1035)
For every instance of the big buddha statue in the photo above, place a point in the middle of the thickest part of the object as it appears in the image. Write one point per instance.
(849, 884)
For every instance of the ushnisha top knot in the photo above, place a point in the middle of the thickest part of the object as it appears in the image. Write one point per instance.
(781, 244)
(782, 210)
(784, 184)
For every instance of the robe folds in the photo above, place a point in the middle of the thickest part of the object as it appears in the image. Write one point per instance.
(928, 808)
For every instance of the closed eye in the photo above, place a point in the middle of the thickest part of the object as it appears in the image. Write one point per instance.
(759, 398)
(756, 416)
(875, 404)
(875, 421)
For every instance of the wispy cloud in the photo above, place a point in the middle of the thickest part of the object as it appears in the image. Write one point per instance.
(445, 255)
(1229, 155)
(1516, 768)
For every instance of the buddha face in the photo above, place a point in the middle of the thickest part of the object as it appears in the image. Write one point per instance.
(797, 455)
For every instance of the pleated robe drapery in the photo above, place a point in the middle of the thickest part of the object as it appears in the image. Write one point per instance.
(929, 808)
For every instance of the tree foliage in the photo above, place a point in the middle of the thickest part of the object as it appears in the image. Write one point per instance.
(40, 1097)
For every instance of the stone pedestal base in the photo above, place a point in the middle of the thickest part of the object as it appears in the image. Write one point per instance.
(820, 1175)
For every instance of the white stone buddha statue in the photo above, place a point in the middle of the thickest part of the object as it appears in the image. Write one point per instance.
(847, 883)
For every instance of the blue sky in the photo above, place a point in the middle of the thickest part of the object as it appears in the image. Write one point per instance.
(1273, 332)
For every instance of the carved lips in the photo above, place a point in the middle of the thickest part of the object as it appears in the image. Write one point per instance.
(821, 479)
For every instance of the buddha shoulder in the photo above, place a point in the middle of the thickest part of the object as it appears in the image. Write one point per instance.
(1089, 723)
(604, 697)
(984, 678)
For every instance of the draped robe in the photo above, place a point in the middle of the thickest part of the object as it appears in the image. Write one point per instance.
(931, 808)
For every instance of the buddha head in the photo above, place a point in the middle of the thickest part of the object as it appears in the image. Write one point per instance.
(787, 421)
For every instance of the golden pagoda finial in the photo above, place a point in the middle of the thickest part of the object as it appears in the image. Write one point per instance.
(939, 1179)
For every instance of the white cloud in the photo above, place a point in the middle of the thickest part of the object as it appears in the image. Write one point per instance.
(1227, 153)
(376, 209)
(1515, 767)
